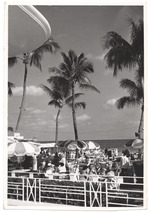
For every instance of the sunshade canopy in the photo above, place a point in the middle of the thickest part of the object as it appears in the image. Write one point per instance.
(93, 145)
(72, 145)
(27, 29)
(22, 149)
(135, 143)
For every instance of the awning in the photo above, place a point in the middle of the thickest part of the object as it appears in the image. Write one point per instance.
(27, 29)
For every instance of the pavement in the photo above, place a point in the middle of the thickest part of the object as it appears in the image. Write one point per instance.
(16, 204)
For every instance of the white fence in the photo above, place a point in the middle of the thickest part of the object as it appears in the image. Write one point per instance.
(91, 192)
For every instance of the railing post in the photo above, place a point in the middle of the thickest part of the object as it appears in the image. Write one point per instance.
(100, 194)
(90, 192)
(27, 189)
(39, 189)
(23, 188)
(106, 194)
(84, 194)
(35, 190)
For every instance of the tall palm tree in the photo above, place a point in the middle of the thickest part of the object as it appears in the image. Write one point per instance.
(60, 96)
(136, 97)
(74, 69)
(32, 58)
(122, 54)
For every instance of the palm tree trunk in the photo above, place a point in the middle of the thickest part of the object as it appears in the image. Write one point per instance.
(56, 134)
(74, 114)
(140, 130)
(23, 98)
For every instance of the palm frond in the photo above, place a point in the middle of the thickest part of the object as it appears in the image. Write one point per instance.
(55, 103)
(80, 105)
(10, 129)
(119, 58)
(126, 101)
(69, 99)
(81, 58)
(66, 72)
(46, 89)
(12, 61)
(84, 79)
(60, 85)
(130, 86)
(57, 80)
(37, 55)
(55, 70)
(10, 86)
(66, 59)
(137, 35)
(89, 87)
(50, 46)
(72, 55)
(35, 59)
(114, 40)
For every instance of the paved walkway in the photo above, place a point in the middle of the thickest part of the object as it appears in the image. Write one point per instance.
(25, 204)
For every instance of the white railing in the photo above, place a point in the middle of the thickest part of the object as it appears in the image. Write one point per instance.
(92, 192)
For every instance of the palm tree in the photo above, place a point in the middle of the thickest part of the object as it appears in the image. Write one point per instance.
(135, 97)
(32, 58)
(60, 96)
(74, 69)
(122, 54)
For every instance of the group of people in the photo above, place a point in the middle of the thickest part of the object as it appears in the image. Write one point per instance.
(84, 168)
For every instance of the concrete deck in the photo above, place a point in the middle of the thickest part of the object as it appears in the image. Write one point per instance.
(14, 204)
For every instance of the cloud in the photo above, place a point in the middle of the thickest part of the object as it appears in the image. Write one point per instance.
(110, 103)
(62, 35)
(37, 111)
(32, 110)
(62, 126)
(99, 57)
(83, 117)
(30, 91)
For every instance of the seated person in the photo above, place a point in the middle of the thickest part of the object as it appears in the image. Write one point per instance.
(83, 175)
(110, 178)
(62, 164)
(49, 170)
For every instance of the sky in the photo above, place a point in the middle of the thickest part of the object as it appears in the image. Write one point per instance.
(80, 28)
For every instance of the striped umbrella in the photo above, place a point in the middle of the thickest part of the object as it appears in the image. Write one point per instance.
(135, 143)
(22, 149)
(11, 140)
(93, 145)
(72, 145)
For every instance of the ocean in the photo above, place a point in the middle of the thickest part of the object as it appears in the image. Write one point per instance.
(115, 143)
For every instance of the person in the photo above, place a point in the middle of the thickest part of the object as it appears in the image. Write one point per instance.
(106, 151)
(110, 178)
(49, 171)
(87, 161)
(127, 153)
(62, 164)
(124, 165)
(56, 161)
(124, 159)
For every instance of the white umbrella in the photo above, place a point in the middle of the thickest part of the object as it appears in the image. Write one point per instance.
(11, 140)
(22, 149)
(136, 143)
(93, 145)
